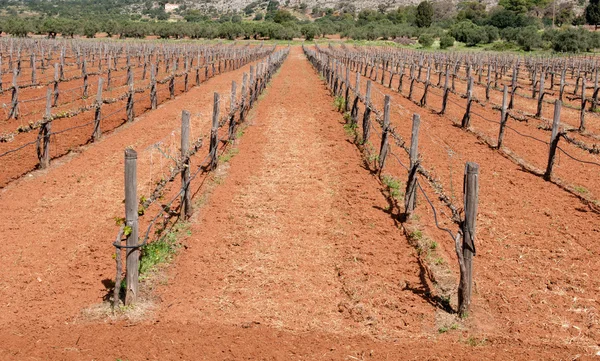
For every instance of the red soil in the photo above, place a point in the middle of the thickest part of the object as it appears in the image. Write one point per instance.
(294, 255)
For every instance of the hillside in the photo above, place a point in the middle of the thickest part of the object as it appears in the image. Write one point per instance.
(240, 5)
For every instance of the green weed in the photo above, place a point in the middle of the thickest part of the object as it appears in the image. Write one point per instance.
(474, 341)
(340, 103)
(394, 186)
(227, 156)
(162, 250)
(350, 129)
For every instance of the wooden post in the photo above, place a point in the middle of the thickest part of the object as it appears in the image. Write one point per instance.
(98, 113)
(383, 150)
(56, 80)
(503, 116)
(347, 91)
(583, 104)
(33, 69)
(232, 111)
(129, 108)
(153, 97)
(131, 226)
(186, 204)
(412, 81)
(410, 200)
(466, 251)
(446, 92)
(561, 88)
(488, 83)
(595, 93)
(172, 86)
(129, 78)
(555, 137)
(513, 90)
(85, 78)
(423, 101)
(244, 97)
(541, 96)
(214, 132)
(14, 107)
(467, 117)
(366, 124)
(44, 136)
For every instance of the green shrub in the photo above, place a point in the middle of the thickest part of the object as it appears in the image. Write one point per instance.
(446, 41)
(426, 40)
(571, 41)
(529, 38)
(469, 33)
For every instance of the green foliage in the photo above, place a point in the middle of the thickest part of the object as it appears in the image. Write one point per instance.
(350, 129)
(529, 38)
(573, 41)
(394, 186)
(424, 15)
(592, 13)
(469, 33)
(426, 40)
(340, 103)
(446, 41)
(161, 250)
(310, 31)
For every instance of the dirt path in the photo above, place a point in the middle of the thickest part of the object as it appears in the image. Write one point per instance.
(293, 257)
(295, 238)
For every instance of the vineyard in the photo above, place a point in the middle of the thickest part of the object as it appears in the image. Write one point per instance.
(165, 200)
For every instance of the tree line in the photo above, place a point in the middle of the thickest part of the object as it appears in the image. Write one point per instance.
(513, 24)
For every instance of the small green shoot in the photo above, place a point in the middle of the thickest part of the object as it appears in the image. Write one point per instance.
(394, 186)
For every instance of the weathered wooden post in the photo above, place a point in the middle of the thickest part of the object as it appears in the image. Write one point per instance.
(84, 74)
(172, 86)
(541, 96)
(513, 87)
(153, 97)
(366, 124)
(243, 97)
(14, 104)
(561, 88)
(383, 149)
(232, 111)
(412, 81)
(130, 103)
(186, 204)
(214, 133)
(347, 91)
(488, 83)
(446, 93)
(44, 135)
(554, 138)
(56, 81)
(98, 113)
(354, 110)
(583, 105)
(466, 251)
(251, 86)
(410, 200)
(503, 117)
(131, 226)
(467, 117)
(33, 69)
(423, 101)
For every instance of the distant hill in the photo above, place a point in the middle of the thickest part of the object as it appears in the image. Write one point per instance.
(240, 5)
